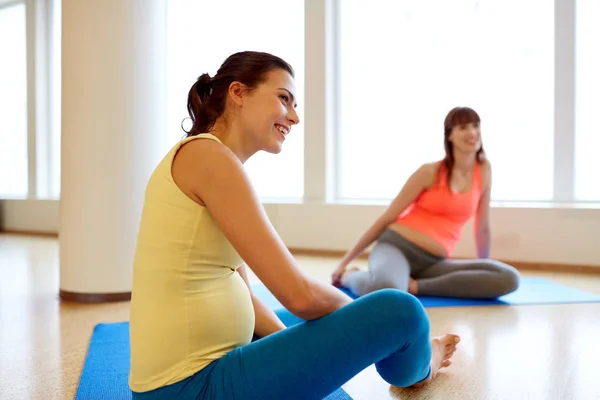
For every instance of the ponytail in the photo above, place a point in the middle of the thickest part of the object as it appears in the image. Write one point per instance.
(200, 106)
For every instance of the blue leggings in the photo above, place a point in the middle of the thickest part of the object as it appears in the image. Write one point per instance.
(312, 359)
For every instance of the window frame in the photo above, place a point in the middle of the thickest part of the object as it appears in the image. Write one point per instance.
(322, 99)
(38, 28)
(30, 129)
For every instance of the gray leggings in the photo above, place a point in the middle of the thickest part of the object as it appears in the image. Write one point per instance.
(394, 259)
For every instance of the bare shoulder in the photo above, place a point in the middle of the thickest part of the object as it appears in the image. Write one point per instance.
(200, 163)
(203, 152)
(430, 168)
(486, 172)
(486, 166)
(428, 173)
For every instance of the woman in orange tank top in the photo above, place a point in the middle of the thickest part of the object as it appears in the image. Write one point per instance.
(416, 235)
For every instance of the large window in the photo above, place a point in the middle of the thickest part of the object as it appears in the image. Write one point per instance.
(13, 102)
(202, 34)
(587, 100)
(403, 67)
(382, 75)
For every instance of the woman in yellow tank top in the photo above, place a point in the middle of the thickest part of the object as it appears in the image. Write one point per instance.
(193, 312)
(416, 235)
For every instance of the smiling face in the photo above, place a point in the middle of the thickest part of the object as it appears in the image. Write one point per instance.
(466, 137)
(462, 132)
(268, 112)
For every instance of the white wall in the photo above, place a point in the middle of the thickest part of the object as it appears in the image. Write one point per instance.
(29, 215)
(545, 235)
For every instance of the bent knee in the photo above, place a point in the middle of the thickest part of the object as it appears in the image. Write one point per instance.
(400, 308)
(508, 280)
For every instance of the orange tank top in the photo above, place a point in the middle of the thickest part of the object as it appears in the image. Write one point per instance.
(441, 213)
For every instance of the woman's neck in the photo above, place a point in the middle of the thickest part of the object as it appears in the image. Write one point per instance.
(233, 137)
(464, 161)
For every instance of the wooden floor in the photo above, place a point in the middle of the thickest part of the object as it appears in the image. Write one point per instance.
(514, 353)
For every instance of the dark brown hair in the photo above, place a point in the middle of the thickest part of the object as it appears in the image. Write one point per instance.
(207, 96)
(457, 116)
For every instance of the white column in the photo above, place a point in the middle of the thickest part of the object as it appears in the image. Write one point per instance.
(113, 134)
(321, 91)
(564, 101)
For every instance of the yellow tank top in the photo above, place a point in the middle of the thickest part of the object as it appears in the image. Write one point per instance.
(189, 306)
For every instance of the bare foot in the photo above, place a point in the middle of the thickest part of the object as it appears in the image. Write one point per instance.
(413, 287)
(442, 349)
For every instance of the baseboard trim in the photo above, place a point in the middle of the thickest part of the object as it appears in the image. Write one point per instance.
(553, 267)
(93, 297)
(519, 265)
(28, 233)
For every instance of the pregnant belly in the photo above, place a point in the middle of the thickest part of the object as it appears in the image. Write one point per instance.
(222, 316)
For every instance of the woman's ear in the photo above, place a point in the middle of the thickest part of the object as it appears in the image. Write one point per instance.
(237, 90)
(451, 136)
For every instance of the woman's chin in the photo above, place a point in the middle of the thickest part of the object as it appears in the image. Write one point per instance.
(470, 149)
(276, 149)
(275, 146)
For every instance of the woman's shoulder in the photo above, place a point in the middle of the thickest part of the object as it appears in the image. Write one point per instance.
(203, 151)
(484, 172)
(485, 169)
(430, 168)
(485, 164)
(195, 139)
(429, 172)
(200, 167)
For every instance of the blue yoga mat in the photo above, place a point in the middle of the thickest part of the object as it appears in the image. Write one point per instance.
(106, 367)
(531, 291)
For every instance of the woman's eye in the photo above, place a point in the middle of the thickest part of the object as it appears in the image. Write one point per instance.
(284, 98)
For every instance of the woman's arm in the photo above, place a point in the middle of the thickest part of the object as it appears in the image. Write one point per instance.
(266, 321)
(482, 218)
(211, 174)
(421, 179)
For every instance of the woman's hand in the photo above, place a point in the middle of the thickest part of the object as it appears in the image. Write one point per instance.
(420, 180)
(336, 277)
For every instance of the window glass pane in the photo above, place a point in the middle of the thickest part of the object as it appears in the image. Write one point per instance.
(203, 34)
(403, 67)
(13, 102)
(587, 100)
